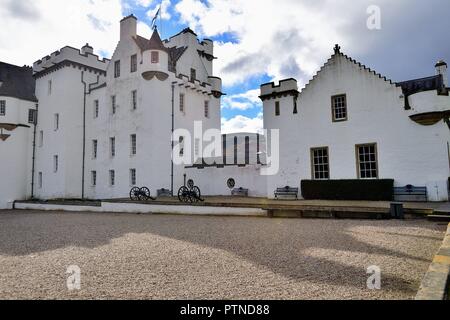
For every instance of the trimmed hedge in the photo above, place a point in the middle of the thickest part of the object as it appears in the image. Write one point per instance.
(369, 190)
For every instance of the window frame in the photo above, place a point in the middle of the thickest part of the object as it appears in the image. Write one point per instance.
(313, 165)
(133, 177)
(117, 69)
(182, 103)
(112, 147)
(133, 144)
(56, 121)
(113, 104)
(154, 57)
(206, 107)
(96, 108)
(333, 109)
(112, 178)
(358, 160)
(2, 108)
(94, 149)
(133, 63)
(55, 163)
(93, 178)
(134, 100)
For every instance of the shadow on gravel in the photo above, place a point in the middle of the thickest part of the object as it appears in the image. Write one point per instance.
(281, 245)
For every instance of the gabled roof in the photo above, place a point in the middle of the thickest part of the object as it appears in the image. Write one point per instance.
(154, 43)
(17, 82)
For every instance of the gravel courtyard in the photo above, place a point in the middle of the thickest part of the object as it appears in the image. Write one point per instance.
(125, 256)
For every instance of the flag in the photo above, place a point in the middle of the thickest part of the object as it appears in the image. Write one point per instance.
(156, 17)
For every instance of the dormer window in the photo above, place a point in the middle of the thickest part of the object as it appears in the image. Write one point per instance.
(155, 57)
(339, 108)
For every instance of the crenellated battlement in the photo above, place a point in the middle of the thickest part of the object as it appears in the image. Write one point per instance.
(84, 57)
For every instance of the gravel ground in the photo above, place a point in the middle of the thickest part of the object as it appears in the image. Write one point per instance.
(124, 256)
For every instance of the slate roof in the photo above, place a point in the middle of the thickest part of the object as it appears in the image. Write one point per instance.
(154, 43)
(17, 82)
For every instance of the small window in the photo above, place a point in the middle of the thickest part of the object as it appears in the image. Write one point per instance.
(94, 178)
(133, 67)
(112, 147)
(112, 178)
(277, 108)
(133, 177)
(181, 142)
(133, 145)
(32, 116)
(206, 109)
(56, 122)
(155, 57)
(295, 106)
(320, 164)
(193, 75)
(40, 180)
(96, 107)
(55, 164)
(41, 138)
(134, 99)
(367, 161)
(339, 106)
(197, 148)
(50, 87)
(94, 149)
(182, 109)
(117, 69)
(113, 105)
(2, 107)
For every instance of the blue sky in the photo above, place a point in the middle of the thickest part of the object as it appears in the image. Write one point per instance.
(256, 41)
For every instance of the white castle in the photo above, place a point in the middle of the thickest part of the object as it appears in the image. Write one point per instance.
(77, 127)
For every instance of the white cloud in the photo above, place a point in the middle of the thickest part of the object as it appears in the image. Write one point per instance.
(48, 25)
(242, 101)
(165, 15)
(281, 38)
(243, 124)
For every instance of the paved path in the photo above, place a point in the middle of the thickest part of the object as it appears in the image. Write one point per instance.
(180, 257)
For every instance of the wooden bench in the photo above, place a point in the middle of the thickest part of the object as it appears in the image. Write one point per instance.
(239, 192)
(411, 193)
(286, 191)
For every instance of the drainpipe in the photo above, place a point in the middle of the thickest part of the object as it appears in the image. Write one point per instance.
(84, 134)
(171, 138)
(33, 162)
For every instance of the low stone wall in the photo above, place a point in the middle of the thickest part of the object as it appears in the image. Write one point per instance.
(112, 207)
(435, 285)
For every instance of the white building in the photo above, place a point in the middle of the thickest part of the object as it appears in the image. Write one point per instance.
(17, 117)
(351, 123)
(104, 126)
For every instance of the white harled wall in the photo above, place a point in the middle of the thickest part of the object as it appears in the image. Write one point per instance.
(407, 152)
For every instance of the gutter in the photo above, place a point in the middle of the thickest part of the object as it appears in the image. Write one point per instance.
(84, 135)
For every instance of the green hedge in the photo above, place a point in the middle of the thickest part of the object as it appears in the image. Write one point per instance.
(370, 190)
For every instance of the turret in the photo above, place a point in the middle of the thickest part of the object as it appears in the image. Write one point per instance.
(87, 49)
(155, 59)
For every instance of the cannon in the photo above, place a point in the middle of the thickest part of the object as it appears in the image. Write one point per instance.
(141, 194)
(189, 192)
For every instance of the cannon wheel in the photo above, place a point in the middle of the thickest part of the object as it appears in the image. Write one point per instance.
(134, 194)
(145, 194)
(183, 194)
(196, 194)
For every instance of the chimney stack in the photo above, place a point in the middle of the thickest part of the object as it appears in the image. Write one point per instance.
(128, 27)
(87, 49)
(441, 68)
